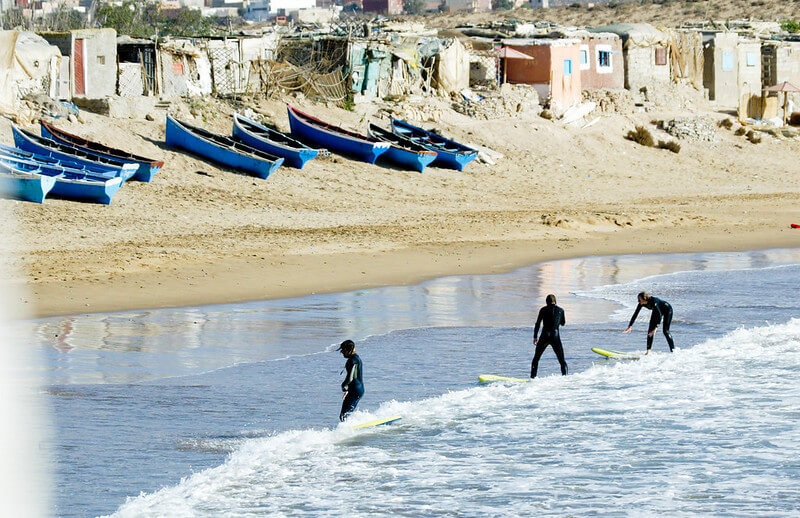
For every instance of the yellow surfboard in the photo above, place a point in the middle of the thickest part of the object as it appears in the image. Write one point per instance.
(486, 378)
(618, 355)
(378, 422)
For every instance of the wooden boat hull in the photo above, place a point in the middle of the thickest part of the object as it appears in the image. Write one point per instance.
(220, 149)
(20, 185)
(68, 183)
(146, 167)
(450, 153)
(294, 152)
(334, 138)
(27, 141)
(402, 151)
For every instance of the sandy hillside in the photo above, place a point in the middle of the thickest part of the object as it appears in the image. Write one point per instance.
(667, 13)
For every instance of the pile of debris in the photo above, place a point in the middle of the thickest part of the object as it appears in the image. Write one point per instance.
(509, 101)
(700, 129)
(611, 101)
(417, 110)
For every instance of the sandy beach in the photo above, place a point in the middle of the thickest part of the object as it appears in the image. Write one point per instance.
(199, 234)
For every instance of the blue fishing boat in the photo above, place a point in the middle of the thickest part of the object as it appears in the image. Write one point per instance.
(21, 185)
(27, 141)
(224, 150)
(74, 184)
(403, 151)
(95, 169)
(335, 138)
(147, 167)
(449, 152)
(294, 152)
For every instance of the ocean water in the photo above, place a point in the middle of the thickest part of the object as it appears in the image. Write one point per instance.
(232, 409)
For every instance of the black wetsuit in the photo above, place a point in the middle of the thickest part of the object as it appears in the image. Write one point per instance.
(352, 385)
(661, 310)
(550, 318)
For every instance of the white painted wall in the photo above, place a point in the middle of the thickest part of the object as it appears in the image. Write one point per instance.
(290, 5)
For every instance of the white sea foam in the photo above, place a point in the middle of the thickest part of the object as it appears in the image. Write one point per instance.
(710, 429)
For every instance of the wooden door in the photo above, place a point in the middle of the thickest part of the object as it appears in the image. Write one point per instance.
(78, 63)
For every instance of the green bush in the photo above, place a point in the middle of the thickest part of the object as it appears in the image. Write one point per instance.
(790, 26)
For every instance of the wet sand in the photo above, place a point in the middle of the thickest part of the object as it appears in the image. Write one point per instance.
(199, 234)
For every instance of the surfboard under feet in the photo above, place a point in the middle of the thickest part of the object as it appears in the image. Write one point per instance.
(617, 355)
(487, 378)
(379, 422)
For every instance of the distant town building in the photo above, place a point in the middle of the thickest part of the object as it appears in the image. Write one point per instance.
(383, 6)
(290, 5)
(470, 6)
(257, 11)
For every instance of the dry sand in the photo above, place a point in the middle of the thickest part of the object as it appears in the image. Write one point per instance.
(200, 234)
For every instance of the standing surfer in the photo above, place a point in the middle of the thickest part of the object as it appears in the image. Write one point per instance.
(660, 310)
(352, 386)
(551, 317)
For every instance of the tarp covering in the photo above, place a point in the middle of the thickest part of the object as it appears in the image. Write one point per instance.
(452, 68)
(8, 40)
(635, 34)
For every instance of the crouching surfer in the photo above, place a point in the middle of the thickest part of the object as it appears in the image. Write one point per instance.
(661, 313)
(551, 317)
(352, 386)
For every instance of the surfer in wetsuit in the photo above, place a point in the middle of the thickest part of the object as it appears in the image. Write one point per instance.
(352, 386)
(660, 311)
(550, 318)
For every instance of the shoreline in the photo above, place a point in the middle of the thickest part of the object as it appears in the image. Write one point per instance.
(236, 279)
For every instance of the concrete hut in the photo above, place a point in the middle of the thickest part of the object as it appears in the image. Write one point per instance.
(601, 63)
(92, 57)
(780, 61)
(553, 71)
(645, 54)
(732, 72)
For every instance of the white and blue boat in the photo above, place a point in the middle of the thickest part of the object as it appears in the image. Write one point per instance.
(256, 135)
(27, 141)
(449, 152)
(22, 185)
(218, 148)
(74, 184)
(94, 169)
(403, 151)
(147, 167)
(334, 138)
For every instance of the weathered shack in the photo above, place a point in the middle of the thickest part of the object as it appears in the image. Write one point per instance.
(732, 72)
(780, 61)
(749, 82)
(721, 71)
(645, 53)
(185, 69)
(92, 60)
(601, 64)
(137, 67)
(554, 70)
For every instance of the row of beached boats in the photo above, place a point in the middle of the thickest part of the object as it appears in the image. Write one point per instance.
(69, 166)
(260, 149)
(61, 164)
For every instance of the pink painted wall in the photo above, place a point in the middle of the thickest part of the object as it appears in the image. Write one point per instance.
(547, 68)
(595, 76)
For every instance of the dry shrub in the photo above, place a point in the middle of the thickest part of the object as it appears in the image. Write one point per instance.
(672, 145)
(740, 131)
(726, 123)
(753, 137)
(641, 135)
(546, 114)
